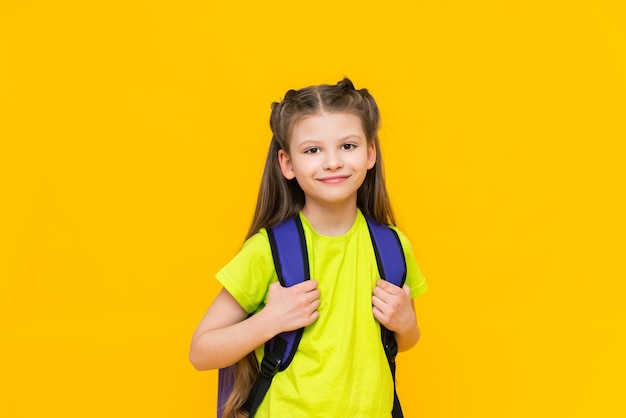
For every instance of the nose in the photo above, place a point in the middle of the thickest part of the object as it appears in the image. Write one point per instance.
(332, 161)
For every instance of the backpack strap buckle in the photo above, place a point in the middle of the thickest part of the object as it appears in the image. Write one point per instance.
(270, 365)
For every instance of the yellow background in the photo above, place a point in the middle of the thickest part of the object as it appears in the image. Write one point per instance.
(132, 137)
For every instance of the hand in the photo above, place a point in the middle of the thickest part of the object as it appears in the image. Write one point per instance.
(393, 307)
(294, 307)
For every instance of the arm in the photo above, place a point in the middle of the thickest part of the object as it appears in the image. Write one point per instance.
(394, 308)
(226, 334)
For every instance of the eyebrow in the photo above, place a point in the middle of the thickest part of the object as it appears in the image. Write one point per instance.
(342, 139)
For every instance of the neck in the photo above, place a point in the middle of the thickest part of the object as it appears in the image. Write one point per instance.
(330, 221)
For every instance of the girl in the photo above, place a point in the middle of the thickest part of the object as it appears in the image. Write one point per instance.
(325, 166)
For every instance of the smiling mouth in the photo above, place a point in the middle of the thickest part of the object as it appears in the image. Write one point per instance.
(333, 179)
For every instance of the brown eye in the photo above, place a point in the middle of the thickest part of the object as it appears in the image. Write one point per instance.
(312, 150)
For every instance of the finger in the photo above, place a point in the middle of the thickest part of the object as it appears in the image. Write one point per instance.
(380, 293)
(313, 317)
(312, 313)
(274, 285)
(387, 291)
(407, 290)
(312, 296)
(315, 304)
(388, 287)
(379, 303)
(307, 285)
(379, 315)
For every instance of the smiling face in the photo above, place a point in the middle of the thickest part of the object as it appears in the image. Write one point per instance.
(329, 157)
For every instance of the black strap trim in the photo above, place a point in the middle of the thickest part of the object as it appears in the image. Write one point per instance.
(303, 248)
(274, 247)
(396, 412)
(391, 351)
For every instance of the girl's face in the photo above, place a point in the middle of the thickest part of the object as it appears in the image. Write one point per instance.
(329, 157)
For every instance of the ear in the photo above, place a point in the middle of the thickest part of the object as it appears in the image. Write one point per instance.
(285, 164)
(371, 155)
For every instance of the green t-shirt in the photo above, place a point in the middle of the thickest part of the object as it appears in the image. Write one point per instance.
(340, 368)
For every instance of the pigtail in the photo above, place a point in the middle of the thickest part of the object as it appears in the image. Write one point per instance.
(278, 198)
(372, 197)
(244, 373)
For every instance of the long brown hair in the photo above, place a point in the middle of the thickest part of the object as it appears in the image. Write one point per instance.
(280, 198)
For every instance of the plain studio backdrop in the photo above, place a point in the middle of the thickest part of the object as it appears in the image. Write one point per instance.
(132, 138)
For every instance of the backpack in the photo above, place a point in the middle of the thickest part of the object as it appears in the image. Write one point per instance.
(290, 256)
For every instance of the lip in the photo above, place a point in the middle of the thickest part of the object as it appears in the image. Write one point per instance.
(333, 179)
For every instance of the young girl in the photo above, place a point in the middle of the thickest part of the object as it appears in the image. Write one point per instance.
(325, 166)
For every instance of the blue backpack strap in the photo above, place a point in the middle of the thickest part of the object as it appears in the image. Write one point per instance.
(291, 262)
(392, 268)
(388, 251)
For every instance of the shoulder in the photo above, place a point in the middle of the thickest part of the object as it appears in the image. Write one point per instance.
(256, 242)
(248, 274)
(255, 251)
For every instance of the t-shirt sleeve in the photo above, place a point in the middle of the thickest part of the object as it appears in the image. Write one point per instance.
(248, 275)
(414, 277)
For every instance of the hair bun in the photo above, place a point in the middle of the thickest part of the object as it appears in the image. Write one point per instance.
(290, 94)
(346, 84)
